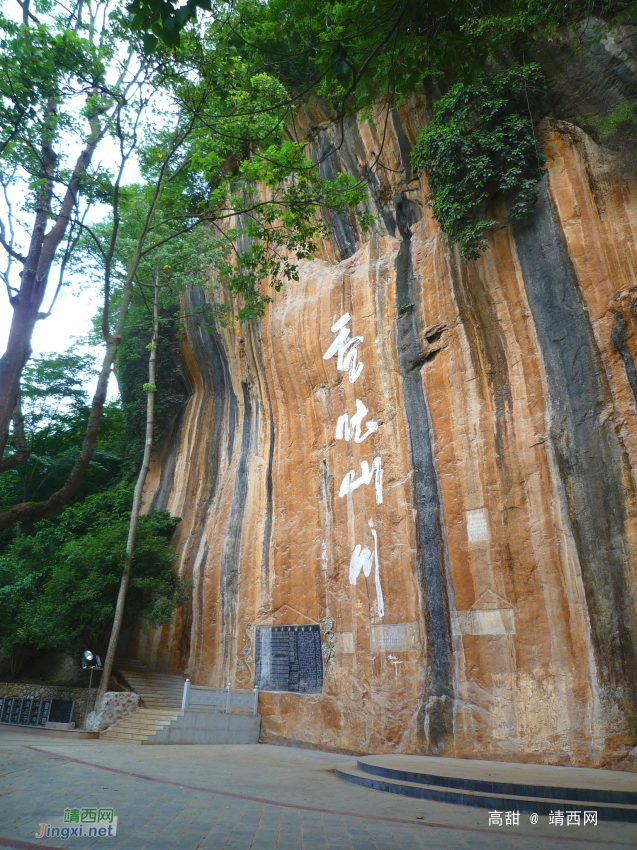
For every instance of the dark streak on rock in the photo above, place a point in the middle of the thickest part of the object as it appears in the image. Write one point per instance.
(212, 363)
(431, 567)
(404, 145)
(618, 338)
(488, 353)
(589, 458)
(269, 489)
(170, 444)
(231, 555)
(328, 170)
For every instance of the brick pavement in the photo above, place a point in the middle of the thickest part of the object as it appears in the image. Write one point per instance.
(244, 798)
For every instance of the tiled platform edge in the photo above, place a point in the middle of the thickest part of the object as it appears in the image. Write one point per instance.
(610, 804)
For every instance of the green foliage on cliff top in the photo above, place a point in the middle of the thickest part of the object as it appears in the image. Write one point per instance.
(367, 48)
(481, 145)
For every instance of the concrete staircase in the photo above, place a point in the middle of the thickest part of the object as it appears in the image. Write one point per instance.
(161, 694)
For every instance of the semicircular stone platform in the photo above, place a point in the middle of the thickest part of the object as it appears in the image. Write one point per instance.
(543, 789)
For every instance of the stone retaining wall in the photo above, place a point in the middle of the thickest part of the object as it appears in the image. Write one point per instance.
(25, 690)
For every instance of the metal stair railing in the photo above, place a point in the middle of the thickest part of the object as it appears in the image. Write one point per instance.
(226, 700)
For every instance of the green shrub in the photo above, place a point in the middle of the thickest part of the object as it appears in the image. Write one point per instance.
(481, 145)
(59, 585)
(620, 122)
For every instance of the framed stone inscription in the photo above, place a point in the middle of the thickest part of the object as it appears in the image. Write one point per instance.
(35, 712)
(44, 712)
(61, 711)
(289, 658)
(16, 708)
(6, 709)
(25, 710)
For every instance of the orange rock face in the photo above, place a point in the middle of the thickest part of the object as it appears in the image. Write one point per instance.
(439, 456)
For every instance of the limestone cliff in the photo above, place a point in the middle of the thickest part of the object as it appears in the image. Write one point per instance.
(441, 456)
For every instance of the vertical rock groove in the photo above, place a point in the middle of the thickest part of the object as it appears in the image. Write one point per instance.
(589, 457)
(269, 489)
(212, 363)
(230, 558)
(430, 559)
(618, 338)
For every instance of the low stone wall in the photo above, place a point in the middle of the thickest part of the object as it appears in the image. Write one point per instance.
(24, 690)
(116, 704)
(210, 727)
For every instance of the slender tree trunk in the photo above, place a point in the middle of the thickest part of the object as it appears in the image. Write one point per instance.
(33, 511)
(137, 503)
(37, 265)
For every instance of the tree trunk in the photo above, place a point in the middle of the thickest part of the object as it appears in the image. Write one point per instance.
(137, 503)
(37, 265)
(33, 511)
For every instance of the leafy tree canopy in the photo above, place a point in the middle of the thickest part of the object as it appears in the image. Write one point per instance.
(54, 404)
(368, 48)
(58, 586)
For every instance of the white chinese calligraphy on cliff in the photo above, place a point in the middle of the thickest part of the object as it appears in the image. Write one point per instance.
(348, 427)
(362, 560)
(351, 483)
(345, 347)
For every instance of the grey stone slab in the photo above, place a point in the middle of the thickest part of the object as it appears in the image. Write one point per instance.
(522, 774)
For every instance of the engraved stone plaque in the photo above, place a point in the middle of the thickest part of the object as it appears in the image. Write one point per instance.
(35, 712)
(289, 658)
(491, 621)
(25, 711)
(395, 637)
(344, 643)
(15, 711)
(6, 709)
(477, 528)
(61, 711)
(44, 712)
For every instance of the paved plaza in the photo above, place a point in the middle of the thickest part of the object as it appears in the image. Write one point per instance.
(253, 797)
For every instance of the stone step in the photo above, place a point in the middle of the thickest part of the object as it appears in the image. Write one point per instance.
(172, 681)
(116, 740)
(136, 725)
(492, 785)
(168, 713)
(161, 695)
(150, 692)
(177, 683)
(126, 735)
(155, 688)
(155, 677)
(172, 700)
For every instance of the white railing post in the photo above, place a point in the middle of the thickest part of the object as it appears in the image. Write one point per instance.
(186, 695)
(256, 700)
(229, 697)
